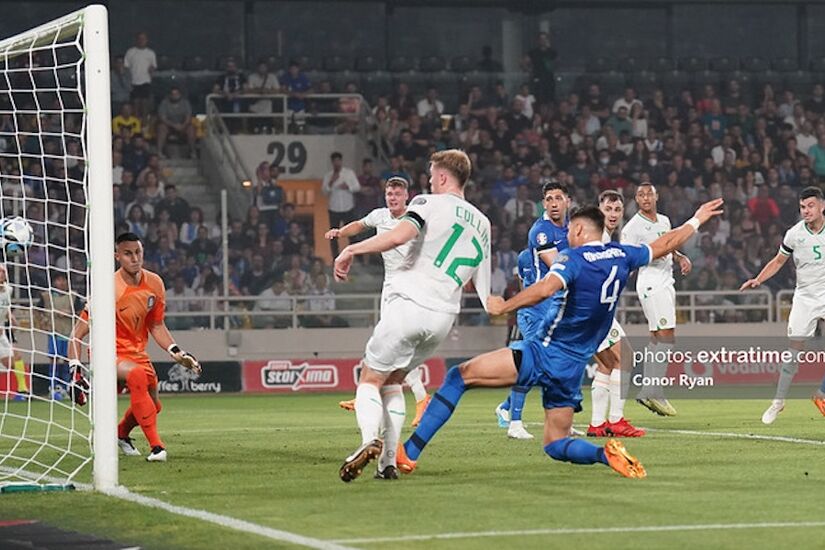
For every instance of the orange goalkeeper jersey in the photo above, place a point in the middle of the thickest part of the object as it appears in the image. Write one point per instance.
(137, 308)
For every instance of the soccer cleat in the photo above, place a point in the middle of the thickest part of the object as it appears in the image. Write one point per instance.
(662, 406)
(158, 454)
(387, 473)
(128, 448)
(623, 428)
(503, 416)
(420, 407)
(597, 431)
(819, 401)
(575, 433)
(354, 464)
(770, 414)
(405, 465)
(517, 431)
(620, 460)
(347, 405)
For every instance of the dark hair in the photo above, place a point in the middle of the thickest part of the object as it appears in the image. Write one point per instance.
(610, 195)
(811, 191)
(590, 213)
(127, 238)
(552, 185)
(336, 156)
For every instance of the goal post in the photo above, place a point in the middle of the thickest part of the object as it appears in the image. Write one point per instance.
(56, 172)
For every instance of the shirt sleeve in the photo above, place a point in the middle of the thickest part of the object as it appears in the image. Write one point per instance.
(372, 219)
(565, 267)
(352, 181)
(158, 311)
(419, 210)
(627, 235)
(482, 278)
(786, 248)
(638, 255)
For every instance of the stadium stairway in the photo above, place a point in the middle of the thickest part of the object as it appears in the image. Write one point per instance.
(185, 174)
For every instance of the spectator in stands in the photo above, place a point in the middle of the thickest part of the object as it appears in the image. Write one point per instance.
(763, 207)
(430, 107)
(189, 229)
(371, 194)
(321, 301)
(142, 63)
(177, 206)
(203, 247)
(296, 84)
(262, 82)
(120, 82)
(815, 106)
(340, 185)
(541, 62)
(487, 64)
(230, 85)
(817, 155)
(402, 101)
(179, 300)
(274, 299)
(136, 220)
(175, 119)
(628, 100)
(295, 238)
(136, 154)
(257, 278)
(268, 194)
(126, 123)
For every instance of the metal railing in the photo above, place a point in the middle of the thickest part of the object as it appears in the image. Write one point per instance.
(364, 310)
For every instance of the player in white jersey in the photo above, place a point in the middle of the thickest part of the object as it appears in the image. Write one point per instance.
(656, 291)
(450, 246)
(606, 391)
(383, 220)
(805, 241)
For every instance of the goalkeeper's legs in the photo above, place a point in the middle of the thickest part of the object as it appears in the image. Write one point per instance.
(140, 380)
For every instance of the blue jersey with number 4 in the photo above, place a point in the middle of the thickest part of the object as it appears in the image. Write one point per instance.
(594, 276)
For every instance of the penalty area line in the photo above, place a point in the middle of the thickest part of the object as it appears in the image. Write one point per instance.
(586, 531)
(225, 521)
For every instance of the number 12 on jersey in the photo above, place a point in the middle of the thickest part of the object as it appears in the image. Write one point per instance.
(458, 261)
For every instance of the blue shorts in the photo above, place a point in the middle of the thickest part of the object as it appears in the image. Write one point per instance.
(58, 346)
(558, 374)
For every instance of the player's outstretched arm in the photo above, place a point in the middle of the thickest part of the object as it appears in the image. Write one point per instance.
(675, 238)
(552, 283)
(771, 268)
(400, 234)
(349, 230)
(164, 339)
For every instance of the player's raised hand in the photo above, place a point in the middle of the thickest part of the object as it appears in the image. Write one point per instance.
(185, 359)
(750, 283)
(685, 264)
(495, 305)
(709, 210)
(343, 263)
(332, 234)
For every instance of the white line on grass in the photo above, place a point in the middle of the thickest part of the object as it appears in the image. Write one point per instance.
(224, 521)
(734, 435)
(585, 531)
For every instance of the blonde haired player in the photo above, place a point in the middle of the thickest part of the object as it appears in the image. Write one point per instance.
(450, 246)
(140, 302)
(383, 220)
(805, 241)
(606, 390)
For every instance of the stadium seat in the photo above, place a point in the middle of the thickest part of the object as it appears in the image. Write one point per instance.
(645, 82)
(693, 64)
(376, 83)
(583, 81)
(601, 65)
(194, 63)
(432, 63)
(473, 78)
(340, 79)
(334, 63)
(767, 77)
(631, 65)
(673, 82)
(316, 77)
(462, 64)
(755, 64)
(168, 63)
(221, 60)
(818, 65)
(277, 63)
(612, 83)
(662, 65)
(784, 65)
(724, 64)
(368, 63)
(308, 63)
(799, 82)
(703, 78)
(401, 64)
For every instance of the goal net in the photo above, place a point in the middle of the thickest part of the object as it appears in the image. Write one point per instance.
(55, 172)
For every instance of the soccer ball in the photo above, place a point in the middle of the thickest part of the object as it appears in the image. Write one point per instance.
(16, 235)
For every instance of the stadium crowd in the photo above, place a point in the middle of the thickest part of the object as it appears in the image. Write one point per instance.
(757, 149)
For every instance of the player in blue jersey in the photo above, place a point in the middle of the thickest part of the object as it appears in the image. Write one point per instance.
(547, 236)
(591, 275)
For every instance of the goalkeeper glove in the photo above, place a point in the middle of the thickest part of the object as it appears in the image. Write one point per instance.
(78, 385)
(184, 358)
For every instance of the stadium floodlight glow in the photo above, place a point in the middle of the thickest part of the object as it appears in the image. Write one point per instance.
(54, 86)
(246, 184)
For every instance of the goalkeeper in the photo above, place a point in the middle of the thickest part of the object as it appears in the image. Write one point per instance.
(140, 301)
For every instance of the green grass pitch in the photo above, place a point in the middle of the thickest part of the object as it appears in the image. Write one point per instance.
(273, 460)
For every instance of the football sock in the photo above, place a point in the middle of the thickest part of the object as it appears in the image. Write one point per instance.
(786, 373)
(577, 451)
(505, 405)
(439, 410)
(143, 408)
(369, 411)
(394, 413)
(517, 397)
(413, 380)
(20, 375)
(600, 394)
(616, 401)
(127, 424)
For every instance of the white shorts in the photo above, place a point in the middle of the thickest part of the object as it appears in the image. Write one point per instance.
(805, 313)
(614, 335)
(5, 347)
(406, 335)
(659, 306)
